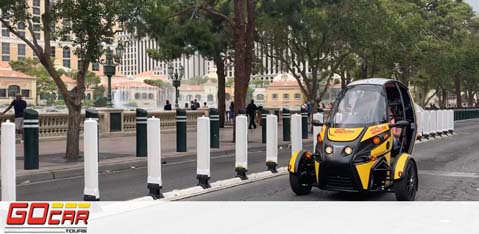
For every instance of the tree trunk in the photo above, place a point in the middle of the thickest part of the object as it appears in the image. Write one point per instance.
(73, 134)
(457, 84)
(220, 72)
(443, 105)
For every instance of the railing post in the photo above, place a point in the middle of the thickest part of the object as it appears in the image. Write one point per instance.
(241, 145)
(181, 130)
(432, 123)
(264, 114)
(141, 133)
(30, 145)
(438, 123)
(304, 123)
(90, 139)
(272, 143)
(316, 129)
(296, 139)
(203, 151)
(214, 128)
(8, 161)
(92, 113)
(286, 125)
(154, 158)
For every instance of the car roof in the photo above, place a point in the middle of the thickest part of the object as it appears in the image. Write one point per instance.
(374, 81)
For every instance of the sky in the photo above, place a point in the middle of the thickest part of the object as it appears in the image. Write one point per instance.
(474, 4)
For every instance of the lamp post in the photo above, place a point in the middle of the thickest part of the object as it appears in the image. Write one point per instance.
(176, 76)
(112, 59)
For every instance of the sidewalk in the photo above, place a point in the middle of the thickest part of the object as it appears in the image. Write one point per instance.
(119, 153)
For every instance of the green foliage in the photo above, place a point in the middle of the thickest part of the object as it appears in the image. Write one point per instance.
(198, 80)
(101, 101)
(159, 84)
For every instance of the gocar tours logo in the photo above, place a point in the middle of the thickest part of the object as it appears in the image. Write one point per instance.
(44, 217)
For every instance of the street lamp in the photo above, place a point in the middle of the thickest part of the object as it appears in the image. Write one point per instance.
(113, 54)
(176, 77)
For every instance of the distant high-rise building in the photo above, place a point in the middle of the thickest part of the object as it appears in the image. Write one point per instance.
(136, 60)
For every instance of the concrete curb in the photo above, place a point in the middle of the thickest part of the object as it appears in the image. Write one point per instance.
(176, 195)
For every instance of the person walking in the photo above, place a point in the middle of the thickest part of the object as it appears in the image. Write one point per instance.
(205, 106)
(193, 105)
(251, 111)
(232, 111)
(167, 107)
(19, 105)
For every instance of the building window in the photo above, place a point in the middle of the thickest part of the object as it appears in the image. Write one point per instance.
(13, 90)
(36, 10)
(297, 96)
(36, 3)
(5, 32)
(144, 96)
(26, 93)
(260, 97)
(198, 97)
(53, 52)
(96, 67)
(137, 96)
(151, 96)
(21, 51)
(275, 96)
(5, 52)
(210, 97)
(66, 57)
(3, 93)
(285, 96)
(37, 35)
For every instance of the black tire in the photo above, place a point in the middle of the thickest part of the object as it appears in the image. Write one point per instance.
(300, 184)
(406, 188)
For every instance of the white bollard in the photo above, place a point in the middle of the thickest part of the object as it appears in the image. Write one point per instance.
(296, 133)
(444, 121)
(154, 157)
(272, 142)
(419, 124)
(425, 121)
(8, 161)
(432, 123)
(451, 121)
(90, 145)
(241, 144)
(203, 152)
(439, 123)
(316, 130)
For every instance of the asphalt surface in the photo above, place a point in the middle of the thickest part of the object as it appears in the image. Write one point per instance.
(177, 173)
(448, 171)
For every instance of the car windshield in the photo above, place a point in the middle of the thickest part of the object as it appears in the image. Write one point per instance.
(359, 106)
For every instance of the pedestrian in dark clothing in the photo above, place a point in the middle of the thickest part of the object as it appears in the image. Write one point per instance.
(232, 111)
(19, 105)
(193, 105)
(251, 111)
(167, 106)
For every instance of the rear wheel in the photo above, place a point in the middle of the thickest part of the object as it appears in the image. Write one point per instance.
(301, 182)
(406, 188)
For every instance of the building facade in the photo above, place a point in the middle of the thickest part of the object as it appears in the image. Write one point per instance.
(13, 83)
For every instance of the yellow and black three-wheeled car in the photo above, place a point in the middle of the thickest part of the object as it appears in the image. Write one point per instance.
(364, 145)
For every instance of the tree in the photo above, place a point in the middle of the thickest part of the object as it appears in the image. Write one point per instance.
(84, 23)
(191, 28)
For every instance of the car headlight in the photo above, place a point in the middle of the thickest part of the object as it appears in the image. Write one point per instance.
(328, 150)
(348, 150)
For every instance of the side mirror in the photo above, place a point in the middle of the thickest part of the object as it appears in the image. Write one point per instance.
(400, 124)
(317, 123)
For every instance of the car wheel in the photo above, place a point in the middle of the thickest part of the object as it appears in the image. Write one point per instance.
(406, 188)
(301, 183)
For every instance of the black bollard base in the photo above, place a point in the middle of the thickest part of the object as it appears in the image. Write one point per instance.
(154, 191)
(241, 173)
(272, 166)
(203, 181)
(451, 132)
(90, 198)
(433, 135)
(426, 137)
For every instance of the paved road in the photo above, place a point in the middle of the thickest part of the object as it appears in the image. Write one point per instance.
(448, 170)
(178, 173)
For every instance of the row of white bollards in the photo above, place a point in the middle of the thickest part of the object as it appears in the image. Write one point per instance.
(431, 123)
(154, 181)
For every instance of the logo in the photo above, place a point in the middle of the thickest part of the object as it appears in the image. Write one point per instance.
(45, 217)
(343, 131)
(378, 129)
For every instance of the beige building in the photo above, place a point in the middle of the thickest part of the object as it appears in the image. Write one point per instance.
(13, 82)
(284, 91)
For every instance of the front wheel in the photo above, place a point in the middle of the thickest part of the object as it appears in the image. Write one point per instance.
(406, 188)
(300, 183)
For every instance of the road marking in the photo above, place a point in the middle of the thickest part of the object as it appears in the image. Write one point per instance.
(449, 174)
